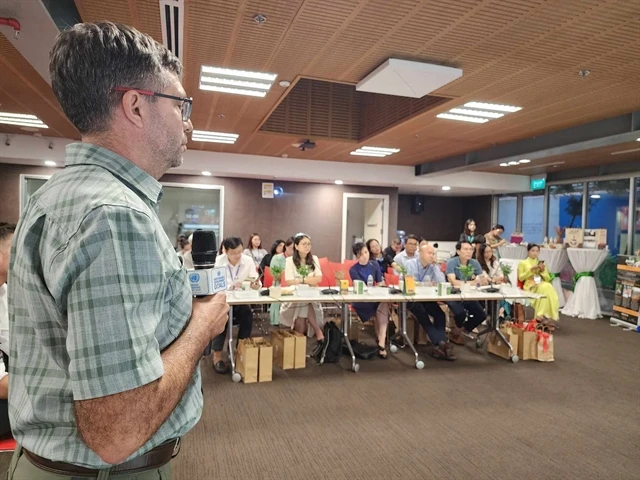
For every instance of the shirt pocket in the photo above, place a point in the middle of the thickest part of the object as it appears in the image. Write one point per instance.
(177, 302)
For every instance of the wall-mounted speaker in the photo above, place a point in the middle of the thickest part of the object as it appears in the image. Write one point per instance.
(417, 204)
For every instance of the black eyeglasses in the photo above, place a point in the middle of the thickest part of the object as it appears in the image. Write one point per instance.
(187, 103)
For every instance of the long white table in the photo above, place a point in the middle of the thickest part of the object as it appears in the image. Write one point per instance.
(378, 294)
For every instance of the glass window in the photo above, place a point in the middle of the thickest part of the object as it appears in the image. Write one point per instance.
(30, 186)
(636, 238)
(507, 213)
(608, 207)
(565, 208)
(185, 209)
(532, 215)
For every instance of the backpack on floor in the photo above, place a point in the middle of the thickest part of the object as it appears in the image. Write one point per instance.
(361, 350)
(330, 350)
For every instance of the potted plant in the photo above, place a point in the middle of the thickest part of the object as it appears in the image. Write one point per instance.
(506, 271)
(303, 271)
(276, 289)
(467, 272)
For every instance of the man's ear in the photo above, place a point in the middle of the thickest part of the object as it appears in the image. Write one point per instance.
(135, 108)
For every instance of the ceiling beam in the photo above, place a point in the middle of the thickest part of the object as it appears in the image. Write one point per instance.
(611, 131)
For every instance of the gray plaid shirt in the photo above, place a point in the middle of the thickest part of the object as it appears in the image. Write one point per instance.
(96, 292)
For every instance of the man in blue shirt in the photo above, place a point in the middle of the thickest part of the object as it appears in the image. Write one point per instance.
(425, 270)
(477, 315)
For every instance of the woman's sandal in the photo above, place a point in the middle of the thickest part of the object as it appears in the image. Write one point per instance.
(382, 349)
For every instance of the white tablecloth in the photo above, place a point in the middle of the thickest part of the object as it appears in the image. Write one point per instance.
(583, 302)
(555, 259)
(517, 252)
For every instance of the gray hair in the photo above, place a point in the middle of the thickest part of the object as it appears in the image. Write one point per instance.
(90, 59)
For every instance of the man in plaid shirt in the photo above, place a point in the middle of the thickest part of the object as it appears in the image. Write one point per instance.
(105, 337)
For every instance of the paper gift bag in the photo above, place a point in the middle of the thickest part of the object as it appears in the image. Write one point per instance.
(527, 343)
(300, 349)
(248, 360)
(284, 346)
(265, 359)
(544, 346)
(498, 347)
(354, 330)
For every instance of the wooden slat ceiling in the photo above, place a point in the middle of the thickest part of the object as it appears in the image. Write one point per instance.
(568, 161)
(520, 52)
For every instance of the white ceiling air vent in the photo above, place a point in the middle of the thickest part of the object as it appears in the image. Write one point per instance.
(172, 19)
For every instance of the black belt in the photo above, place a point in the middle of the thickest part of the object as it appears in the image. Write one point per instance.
(155, 458)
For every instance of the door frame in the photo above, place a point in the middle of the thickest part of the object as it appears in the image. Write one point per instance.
(385, 217)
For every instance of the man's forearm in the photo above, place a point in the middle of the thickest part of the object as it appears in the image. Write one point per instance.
(4, 387)
(118, 425)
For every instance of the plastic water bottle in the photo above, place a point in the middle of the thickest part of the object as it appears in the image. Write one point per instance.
(370, 281)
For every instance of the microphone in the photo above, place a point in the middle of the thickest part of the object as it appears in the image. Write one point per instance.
(203, 252)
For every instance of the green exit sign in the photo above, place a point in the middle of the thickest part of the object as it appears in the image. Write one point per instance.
(538, 183)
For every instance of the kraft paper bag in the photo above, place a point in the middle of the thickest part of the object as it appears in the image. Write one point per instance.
(498, 347)
(527, 343)
(300, 349)
(544, 347)
(265, 359)
(283, 349)
(248, 360)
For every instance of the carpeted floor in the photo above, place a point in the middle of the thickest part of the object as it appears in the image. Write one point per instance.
(478, 418)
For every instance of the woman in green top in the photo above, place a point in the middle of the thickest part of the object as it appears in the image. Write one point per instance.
(536, 279)
(279, 261)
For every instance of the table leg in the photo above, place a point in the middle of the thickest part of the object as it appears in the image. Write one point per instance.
(494, 327)
(346, 324)
(403, 320)
(235, 376)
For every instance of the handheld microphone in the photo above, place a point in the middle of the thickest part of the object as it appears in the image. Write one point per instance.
(203, 252)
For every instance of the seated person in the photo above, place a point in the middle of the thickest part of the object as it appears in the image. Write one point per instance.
(492, 271)
(410, 249)
(477, 243)
(6, 235)
(536, 278)
(426, 271)
(302, 316)
(276, 249)
(494, 239)
(239, 268)
(393, 249)
(279, 260)
(376, 254)
(366, 311)
(422, 242)
(477, 315)
(469, 232)
(254, 249)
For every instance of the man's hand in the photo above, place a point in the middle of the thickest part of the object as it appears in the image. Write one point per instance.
(213, 311)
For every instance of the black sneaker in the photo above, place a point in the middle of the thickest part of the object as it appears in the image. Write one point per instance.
(221, 367)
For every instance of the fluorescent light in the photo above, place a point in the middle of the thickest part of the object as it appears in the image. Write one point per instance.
(637, 139)
(21, 119)
(512, 163)
(368, 154)
(338, 182)
(214, 137)
(504, 164)
(446, 188)
(236, 83)
(235, 91)
(493, 106)
(239, 73)
(50, 163)
(380, 149)
(478, 113)
(462, 118)
(524, 160)
(375, 151)
(595, 196)
(206, 173)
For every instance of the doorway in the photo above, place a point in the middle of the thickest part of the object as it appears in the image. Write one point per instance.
(364, 216)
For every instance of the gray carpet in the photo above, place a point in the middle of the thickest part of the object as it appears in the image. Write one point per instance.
(478, 418)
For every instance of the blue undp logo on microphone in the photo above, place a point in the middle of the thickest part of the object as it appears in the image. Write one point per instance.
(194, 277)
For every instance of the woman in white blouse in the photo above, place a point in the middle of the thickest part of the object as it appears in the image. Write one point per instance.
(300, 316)
(254, 249)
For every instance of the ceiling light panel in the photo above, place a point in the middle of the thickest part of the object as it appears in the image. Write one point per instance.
(375, 151)
(462, 118)
(21, 119)
(493, 106)
(478, 112)
(237, 82)
(214, 137)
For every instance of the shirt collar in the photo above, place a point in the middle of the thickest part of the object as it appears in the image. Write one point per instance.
(137, 179)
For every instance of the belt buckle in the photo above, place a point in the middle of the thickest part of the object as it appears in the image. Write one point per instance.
(176, 448)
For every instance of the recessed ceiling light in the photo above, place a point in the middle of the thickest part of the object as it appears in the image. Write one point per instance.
(239, 82)
(206, 173)
(493, 106)
(524, 160)
(595, 196)
(338, 182)
(214, 137)
(504, 164)
(512, 162)
(637, 139)
(50, 163)
(21, 119)
(285, 83)
(446, 188)
(375, 151)
(462, 118)
(477, 113)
